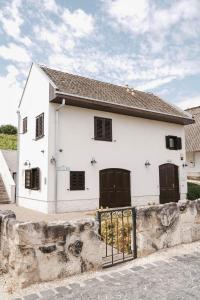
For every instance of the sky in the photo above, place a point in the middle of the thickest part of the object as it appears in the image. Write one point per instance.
(151, 45)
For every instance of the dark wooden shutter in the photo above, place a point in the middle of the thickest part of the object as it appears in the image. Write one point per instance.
(108, 129)
(167, 141)
(179, 143)
(25, 125)
(102, 129)
(77, 180)
(40, 126)
(98, 128)
(35, 179)
(28, 179)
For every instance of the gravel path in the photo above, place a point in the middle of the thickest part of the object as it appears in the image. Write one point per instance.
(168, 274)
(26, 214)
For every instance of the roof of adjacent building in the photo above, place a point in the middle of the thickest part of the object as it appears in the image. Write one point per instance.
(102, 94)
(192, 131)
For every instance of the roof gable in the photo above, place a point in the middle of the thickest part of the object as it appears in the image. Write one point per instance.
(192, 131)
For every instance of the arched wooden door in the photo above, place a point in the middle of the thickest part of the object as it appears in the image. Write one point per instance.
(169, 183)
(114, 188)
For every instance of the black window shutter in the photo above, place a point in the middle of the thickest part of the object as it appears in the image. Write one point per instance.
(28, 179)
(179, 143)
(25, 125)
(98, 128)
(35, 179)
(77, 180)
(108, 129)
(167, 141)
(40, 126)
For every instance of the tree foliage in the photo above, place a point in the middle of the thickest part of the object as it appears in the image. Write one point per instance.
(8, 129)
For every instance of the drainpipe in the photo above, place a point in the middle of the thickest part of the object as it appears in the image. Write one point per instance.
(18, 151)
(56, 152)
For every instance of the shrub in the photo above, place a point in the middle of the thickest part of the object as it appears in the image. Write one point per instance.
(8, 129)
(8, 141)
(193, 191)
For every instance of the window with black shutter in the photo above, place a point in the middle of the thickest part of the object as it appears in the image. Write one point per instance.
(28, 179)
(32, 179)
(102, 129)
(173, 142)
(25, 125)
(39, 126)
(35, 179)
(77, 180)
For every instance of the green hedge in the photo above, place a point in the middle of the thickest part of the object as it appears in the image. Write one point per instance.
(8, 141)
(193, 191)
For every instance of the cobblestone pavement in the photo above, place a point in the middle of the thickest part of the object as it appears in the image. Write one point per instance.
(172, 279)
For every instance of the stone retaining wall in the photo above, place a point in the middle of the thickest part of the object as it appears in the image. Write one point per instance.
(34, 252)
(164, 226)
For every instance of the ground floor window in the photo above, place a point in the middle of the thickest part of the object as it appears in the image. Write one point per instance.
(32, 179)
(77, 180)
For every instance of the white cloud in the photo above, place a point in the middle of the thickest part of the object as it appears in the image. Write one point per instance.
(12, 21)
(81, 23)
(50, 5)
(155, 83)
(141, 16)
(11, 91)
(15, 53)
(189, 102)
(64, 34)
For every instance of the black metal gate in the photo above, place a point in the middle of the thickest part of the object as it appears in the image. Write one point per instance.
(117, 229)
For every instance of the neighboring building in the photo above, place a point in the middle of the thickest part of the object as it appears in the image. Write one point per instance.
(192, 133)
(86, 144)
(8, 171)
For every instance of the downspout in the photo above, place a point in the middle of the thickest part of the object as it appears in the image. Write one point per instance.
(56, 152)
(18, 151)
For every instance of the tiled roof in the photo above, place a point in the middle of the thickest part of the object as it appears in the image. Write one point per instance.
(110, 93)
(192, 131)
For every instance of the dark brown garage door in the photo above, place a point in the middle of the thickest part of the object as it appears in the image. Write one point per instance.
(169, 183)
(114, 188)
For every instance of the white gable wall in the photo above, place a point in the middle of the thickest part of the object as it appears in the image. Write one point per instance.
(135, 141)
(35, 101)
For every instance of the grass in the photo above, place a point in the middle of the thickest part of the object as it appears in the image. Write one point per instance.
(193, 191)
(8, 142)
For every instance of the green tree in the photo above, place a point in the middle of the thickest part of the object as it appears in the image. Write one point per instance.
(8, 129)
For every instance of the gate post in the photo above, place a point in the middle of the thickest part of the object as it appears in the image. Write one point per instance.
(98, 219)
(134, 216)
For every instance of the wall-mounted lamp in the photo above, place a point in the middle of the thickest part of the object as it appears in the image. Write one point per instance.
(93, 161)
(147, 164)
(27, 163)
(185, 165)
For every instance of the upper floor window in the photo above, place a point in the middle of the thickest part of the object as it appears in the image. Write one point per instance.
(102, 129)
(25, 120)
(77, 180)
(32, 179)
(39, 126)
(173, 142)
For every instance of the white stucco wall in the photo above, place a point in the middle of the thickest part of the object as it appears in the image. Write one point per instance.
(135, 141)
(193, 162)
(35, 101)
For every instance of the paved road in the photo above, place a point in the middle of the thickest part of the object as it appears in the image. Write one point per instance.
(177, 278)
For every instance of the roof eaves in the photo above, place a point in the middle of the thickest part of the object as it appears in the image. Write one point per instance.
(122, 105)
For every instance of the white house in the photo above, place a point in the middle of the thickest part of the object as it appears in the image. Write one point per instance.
(192, 133)
(84, 144)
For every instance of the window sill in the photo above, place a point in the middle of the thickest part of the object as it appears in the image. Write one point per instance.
(102, 140)
(39, 138)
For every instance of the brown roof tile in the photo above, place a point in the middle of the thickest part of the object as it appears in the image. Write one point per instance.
(110, 93)
(192, 131)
